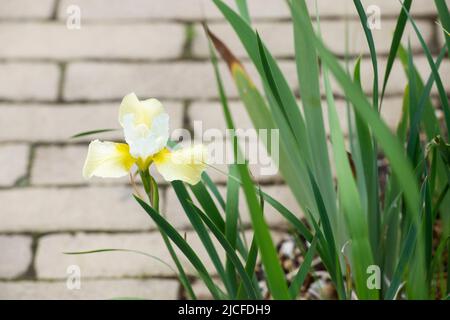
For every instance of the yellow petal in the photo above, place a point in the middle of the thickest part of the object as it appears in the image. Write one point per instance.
(107, 160)
(142, 112)
(186, 164)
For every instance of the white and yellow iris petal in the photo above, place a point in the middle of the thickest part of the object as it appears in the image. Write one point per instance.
(144, 111)
(185, 164)
(145, 141)
(145, 125)
(107, 160)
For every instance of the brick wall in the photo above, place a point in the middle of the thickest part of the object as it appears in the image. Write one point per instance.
(55, 82)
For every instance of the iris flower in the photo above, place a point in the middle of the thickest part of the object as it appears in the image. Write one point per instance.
(146, 129)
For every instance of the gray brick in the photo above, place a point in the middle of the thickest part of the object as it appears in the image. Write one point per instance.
(140, 9)
(183, 80)
(110, 41)
(89, 81)
(57, 123)
(14, 160)
(90, 289)
(52, 264)
(26, 9)
(52, 209)
(201, 290)
(210, 115)
(55, 165)
(16, 256)
(28, 81)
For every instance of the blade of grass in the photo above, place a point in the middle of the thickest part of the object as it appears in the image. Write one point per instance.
(439, 200)
(300, 277)
(288, 112)
(416, 281)
(89, 133)
(185, 200)
(405, 255)
(444, 16)
(183, 246)
(425, 108)
(289, 216)
(367, 171)
(392, 148)
(231, 221)
(308, 78)
(370, 154)
(391, 221)
(275, 276)
(292, 168)
(202, 195)
(237, 153)
(430, 121)
(412, 148)
(243, 10)
(440, 86)
(246, 280)
(441, 90)
(398, 34)
(261, 231)
(348, 194)
(428, 226)
(448, 268)
(289, 109)
(437, 265)
(151, 190)
(330, 259)
(373, 52)
(409, 250)
(360, 138)
(212, 186)
(250, 270)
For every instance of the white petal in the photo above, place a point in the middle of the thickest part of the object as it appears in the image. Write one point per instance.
(107, 160)
(145, 141)
(186, 164)
(144, 112)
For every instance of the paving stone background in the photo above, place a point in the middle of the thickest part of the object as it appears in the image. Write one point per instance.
(55, 82)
